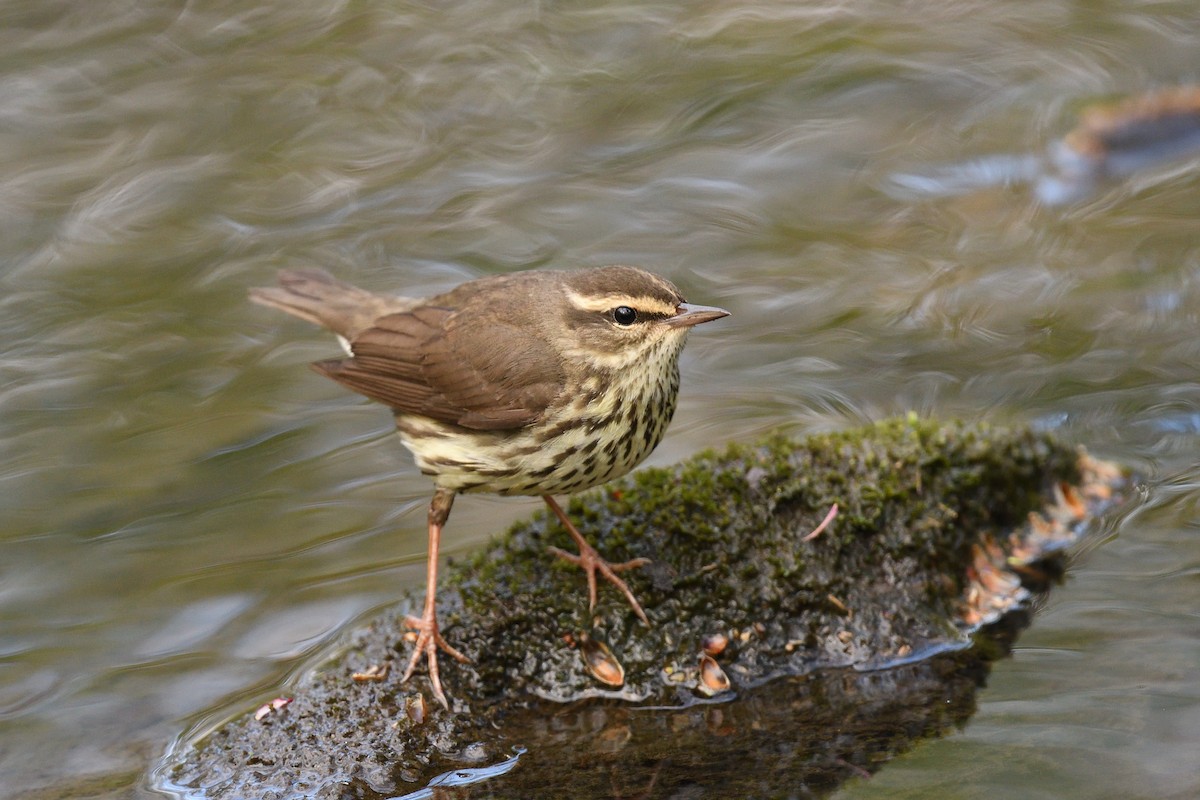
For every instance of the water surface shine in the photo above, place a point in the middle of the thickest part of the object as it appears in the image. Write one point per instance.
(188, 513)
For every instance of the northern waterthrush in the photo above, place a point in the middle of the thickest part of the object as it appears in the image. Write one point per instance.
(533, 383)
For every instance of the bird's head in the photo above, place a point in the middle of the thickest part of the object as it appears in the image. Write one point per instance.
(618, 316)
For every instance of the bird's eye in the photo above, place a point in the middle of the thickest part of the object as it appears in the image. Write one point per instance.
(624, 315)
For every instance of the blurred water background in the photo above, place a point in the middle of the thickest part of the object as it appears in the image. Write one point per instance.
(187, 513)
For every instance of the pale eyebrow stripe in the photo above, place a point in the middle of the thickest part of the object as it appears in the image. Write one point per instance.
(652, 304)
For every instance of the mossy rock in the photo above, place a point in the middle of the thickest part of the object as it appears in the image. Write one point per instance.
(940, 529)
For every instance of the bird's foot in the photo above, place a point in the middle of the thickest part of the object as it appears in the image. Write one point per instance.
(592, 562)
(429, 641)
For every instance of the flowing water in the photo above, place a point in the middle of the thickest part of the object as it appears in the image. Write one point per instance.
(187, 513)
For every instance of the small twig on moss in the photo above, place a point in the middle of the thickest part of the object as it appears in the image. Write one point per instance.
(833, 512)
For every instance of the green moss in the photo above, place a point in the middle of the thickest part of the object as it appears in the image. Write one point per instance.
(724, 532)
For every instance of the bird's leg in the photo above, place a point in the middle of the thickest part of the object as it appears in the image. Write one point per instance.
(591, 561)
(429, 639)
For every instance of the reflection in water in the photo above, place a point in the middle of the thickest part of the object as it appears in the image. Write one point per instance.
(809, 734)
(464, 776)
(812, 733)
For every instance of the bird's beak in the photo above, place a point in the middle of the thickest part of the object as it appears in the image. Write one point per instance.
(687, 315)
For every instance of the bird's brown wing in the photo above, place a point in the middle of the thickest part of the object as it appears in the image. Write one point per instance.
(439, 364)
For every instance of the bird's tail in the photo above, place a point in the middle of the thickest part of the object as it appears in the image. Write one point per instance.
(320, 298)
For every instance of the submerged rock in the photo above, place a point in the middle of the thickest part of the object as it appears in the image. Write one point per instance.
(939, 531)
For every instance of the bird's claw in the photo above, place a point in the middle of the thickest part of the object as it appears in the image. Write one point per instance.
(590, 560)
(429, 641)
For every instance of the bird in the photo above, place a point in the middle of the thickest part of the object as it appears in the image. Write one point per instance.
(536, 383)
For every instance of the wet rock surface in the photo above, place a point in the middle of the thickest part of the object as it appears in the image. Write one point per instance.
(760, 640)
